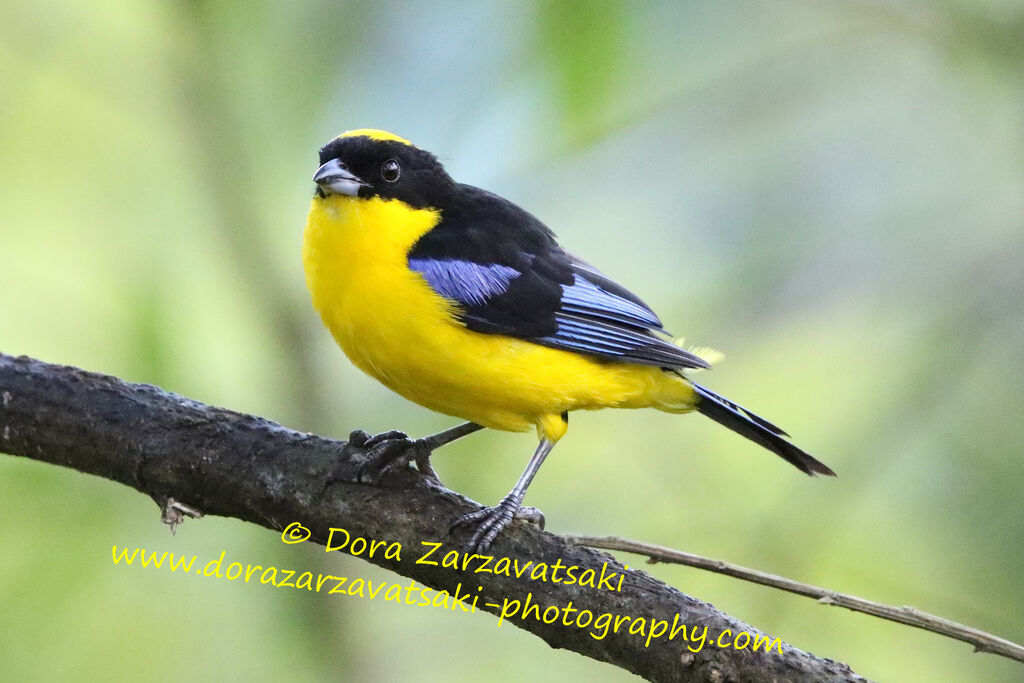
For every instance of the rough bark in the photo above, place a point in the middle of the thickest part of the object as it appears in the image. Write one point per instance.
(237, 465)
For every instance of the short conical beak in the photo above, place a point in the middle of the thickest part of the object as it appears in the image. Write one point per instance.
(334, 178)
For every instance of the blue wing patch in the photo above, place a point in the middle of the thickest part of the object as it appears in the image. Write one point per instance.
(618, 342)
(471, 284)
(597, 316)
(586, 298)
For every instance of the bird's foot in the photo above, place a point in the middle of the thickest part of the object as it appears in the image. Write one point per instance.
(391, 452)
(489, 522)
(175, 511)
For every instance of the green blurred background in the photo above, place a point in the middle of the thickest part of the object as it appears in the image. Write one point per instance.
(831, 193)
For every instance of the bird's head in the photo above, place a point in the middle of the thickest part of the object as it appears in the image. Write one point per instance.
(369, 163)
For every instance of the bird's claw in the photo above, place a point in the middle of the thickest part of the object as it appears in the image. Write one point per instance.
(389, 452)
(490, 521)
(175, 511)
(532, 516)
(384, 438)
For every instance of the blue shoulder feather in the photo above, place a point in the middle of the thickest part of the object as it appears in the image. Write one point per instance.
(468, 283)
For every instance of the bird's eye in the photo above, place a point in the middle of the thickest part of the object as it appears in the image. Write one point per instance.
(390, 170)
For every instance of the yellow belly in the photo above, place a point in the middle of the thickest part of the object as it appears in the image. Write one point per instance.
(394, 327)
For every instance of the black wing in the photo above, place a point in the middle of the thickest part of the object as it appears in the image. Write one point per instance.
(509, 276)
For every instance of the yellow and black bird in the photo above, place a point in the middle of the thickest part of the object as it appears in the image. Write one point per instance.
(465, 303)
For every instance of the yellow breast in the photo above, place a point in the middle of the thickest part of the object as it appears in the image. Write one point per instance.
(394, 327)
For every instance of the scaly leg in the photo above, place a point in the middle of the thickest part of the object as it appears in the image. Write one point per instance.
(490, 521)
(390, 450)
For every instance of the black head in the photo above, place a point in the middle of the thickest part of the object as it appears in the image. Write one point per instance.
(372, 163)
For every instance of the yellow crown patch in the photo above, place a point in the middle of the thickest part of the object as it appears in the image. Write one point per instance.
(375, 134)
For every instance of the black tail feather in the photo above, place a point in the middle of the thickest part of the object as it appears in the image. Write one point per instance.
(757, 429)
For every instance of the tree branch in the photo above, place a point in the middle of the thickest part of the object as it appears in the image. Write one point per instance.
(236, 465)
(909, 616)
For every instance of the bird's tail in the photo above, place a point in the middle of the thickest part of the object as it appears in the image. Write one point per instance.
(757, 429)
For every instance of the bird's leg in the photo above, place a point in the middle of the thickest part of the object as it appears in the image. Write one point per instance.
(392, 450)
(490, 521)
(426, 445)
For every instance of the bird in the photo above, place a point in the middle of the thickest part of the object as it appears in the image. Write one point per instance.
(463, 302)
